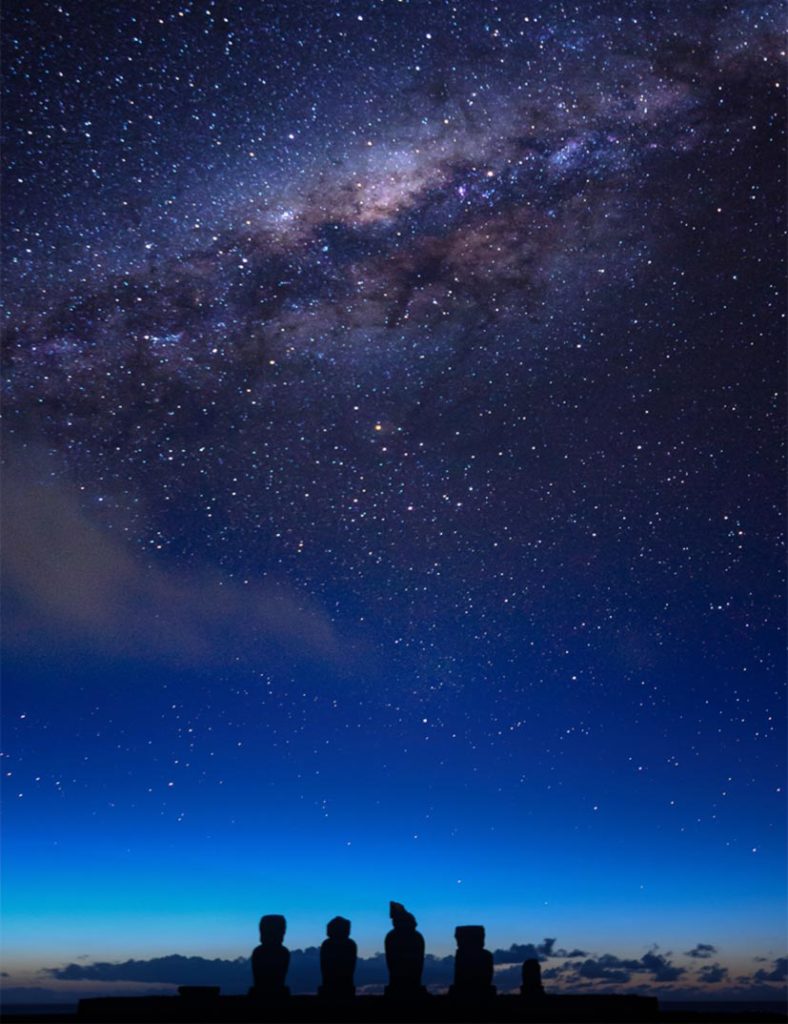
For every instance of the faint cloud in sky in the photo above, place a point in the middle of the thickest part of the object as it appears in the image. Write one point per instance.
(70, 576)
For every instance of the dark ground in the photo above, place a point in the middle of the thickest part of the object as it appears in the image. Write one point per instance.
(364, 1010)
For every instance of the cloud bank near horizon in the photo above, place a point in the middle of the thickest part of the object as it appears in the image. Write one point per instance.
(654, 973)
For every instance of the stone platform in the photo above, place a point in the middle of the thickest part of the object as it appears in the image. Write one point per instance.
(212, 1008)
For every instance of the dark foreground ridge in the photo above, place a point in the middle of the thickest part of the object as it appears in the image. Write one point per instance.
(204, 1005)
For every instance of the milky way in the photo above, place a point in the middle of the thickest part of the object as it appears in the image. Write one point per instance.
(425, 354)
(420, 334)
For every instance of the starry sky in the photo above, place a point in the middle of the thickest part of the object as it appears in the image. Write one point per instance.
(393, 506)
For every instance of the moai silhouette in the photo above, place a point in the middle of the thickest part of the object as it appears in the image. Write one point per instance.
(473, 964)
(338, 961)
(271, 959)
(404, 955)
(532, 979)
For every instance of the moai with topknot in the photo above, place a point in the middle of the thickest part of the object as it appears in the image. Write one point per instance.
(404, 955)
(473, 964)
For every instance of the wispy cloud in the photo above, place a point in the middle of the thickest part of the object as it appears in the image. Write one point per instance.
(70, 576)
(711, 974)
(702, 951)
(779, 971)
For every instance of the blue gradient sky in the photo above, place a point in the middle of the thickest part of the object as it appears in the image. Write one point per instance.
(608, 855)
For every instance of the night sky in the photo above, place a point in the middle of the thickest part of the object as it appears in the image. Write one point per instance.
(393, 505)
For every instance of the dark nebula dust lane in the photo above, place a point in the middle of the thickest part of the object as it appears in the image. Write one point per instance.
(394, 403)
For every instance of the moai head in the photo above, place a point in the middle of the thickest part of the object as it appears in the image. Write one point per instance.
(469, 936)
(338, 928)
(401, 919)
(532, 977)
(272, 929)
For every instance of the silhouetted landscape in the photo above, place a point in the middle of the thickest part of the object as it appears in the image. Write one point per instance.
(472, 997)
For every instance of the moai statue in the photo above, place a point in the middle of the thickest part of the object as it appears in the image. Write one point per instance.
(473, 964)
(338, 961)
(271, 959)
(532, 979)
(404, 955)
